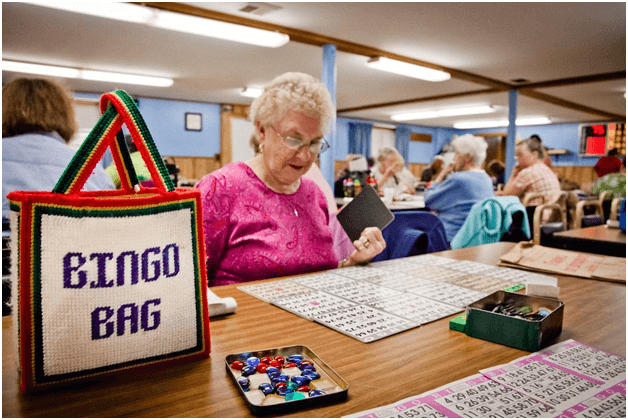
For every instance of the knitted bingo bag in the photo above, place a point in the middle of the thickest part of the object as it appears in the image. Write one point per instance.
(108, 280)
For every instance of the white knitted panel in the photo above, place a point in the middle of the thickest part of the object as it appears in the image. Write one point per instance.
(67, 312)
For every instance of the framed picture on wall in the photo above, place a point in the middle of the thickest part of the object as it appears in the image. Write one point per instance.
(193, 121)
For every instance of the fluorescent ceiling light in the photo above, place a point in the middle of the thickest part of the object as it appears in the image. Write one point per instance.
(72, 73)
(503, 123)
(251, 92)
(222, 30)
(175, 22)
(40, 69)
(421, 115)
(407, 69)
(117, 11)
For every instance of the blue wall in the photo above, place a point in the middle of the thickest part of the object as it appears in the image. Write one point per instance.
(419, 152)
(554, 136)
(165, 119)
(166, 122)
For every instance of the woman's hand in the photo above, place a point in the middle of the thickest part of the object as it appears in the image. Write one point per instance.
(444, 172)
(370, 244)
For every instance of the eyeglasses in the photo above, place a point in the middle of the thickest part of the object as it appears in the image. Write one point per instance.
(316, 147)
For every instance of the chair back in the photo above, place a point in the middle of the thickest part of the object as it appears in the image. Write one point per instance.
(589, 213)
(615, 206)
(548, 219)
(413, 233)
(561, 199)
(488, 221)
(606, 201)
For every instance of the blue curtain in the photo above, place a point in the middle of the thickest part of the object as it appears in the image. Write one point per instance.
(402, 141)
(360, 138)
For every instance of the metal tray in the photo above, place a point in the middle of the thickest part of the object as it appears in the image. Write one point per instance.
(335, 388)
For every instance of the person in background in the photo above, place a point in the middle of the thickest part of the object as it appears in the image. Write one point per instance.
(262, 218)
(608, 164)
(460, 184)
(531, 174)
(497, 171)
(37, 124)
(355, 166)
(432, 171)
(390, 172)
(614, 182)
(141, 170)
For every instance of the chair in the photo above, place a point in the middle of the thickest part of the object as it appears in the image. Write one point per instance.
(548, 219)
(615, 206)
(606, 199)
(413, 233)
(488, 221)
(547, 198)
(589, 213)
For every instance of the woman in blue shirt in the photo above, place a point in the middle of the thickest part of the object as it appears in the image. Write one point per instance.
(37, 123)
(461, 184)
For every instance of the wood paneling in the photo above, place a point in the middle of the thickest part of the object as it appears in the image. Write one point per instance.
(427, 138)
(580, 174)
(417, 169)
(226, 143)
(193, 169)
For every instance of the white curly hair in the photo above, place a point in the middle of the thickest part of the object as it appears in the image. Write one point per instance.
(469, 144)
(293, 92)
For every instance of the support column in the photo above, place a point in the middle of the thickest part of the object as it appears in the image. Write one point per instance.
(329, 79)
(512, 133)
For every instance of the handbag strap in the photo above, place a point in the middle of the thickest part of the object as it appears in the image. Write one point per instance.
(117, 108)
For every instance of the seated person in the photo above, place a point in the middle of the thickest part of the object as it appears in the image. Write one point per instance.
(315, 174)
(614, 182)
(356, 166)
(262, 218)
(465, 185)
(608, 164)
(37, 125)
(531, 174)
(496, 170)
(431, 172)
(390, 172)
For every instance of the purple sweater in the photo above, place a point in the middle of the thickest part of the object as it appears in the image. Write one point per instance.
(253, 233)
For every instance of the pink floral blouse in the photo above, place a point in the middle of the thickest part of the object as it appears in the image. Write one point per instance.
(253, 233)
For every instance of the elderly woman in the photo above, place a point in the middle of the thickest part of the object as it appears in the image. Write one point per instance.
(531, 174)
(452, 198)
(37, 124)
(390, 172)
(262, 218)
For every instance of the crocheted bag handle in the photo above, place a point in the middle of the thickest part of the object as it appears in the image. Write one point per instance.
(116, 108)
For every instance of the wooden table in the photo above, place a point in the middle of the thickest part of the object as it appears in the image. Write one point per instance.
(596, 239)
(378, 373)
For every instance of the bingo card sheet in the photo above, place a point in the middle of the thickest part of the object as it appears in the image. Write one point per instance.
(378, 300)
(566, 380)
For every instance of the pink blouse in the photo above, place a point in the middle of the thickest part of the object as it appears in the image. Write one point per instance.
(253, 233)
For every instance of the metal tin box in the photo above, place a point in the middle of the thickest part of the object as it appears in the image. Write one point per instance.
(335, 388)
(512, 331)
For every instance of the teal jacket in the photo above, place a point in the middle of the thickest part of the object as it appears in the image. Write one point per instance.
(488, 220)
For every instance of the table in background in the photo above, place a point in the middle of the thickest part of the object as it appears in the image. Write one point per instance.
(395, 205)
(378, 373)
(596, 239)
